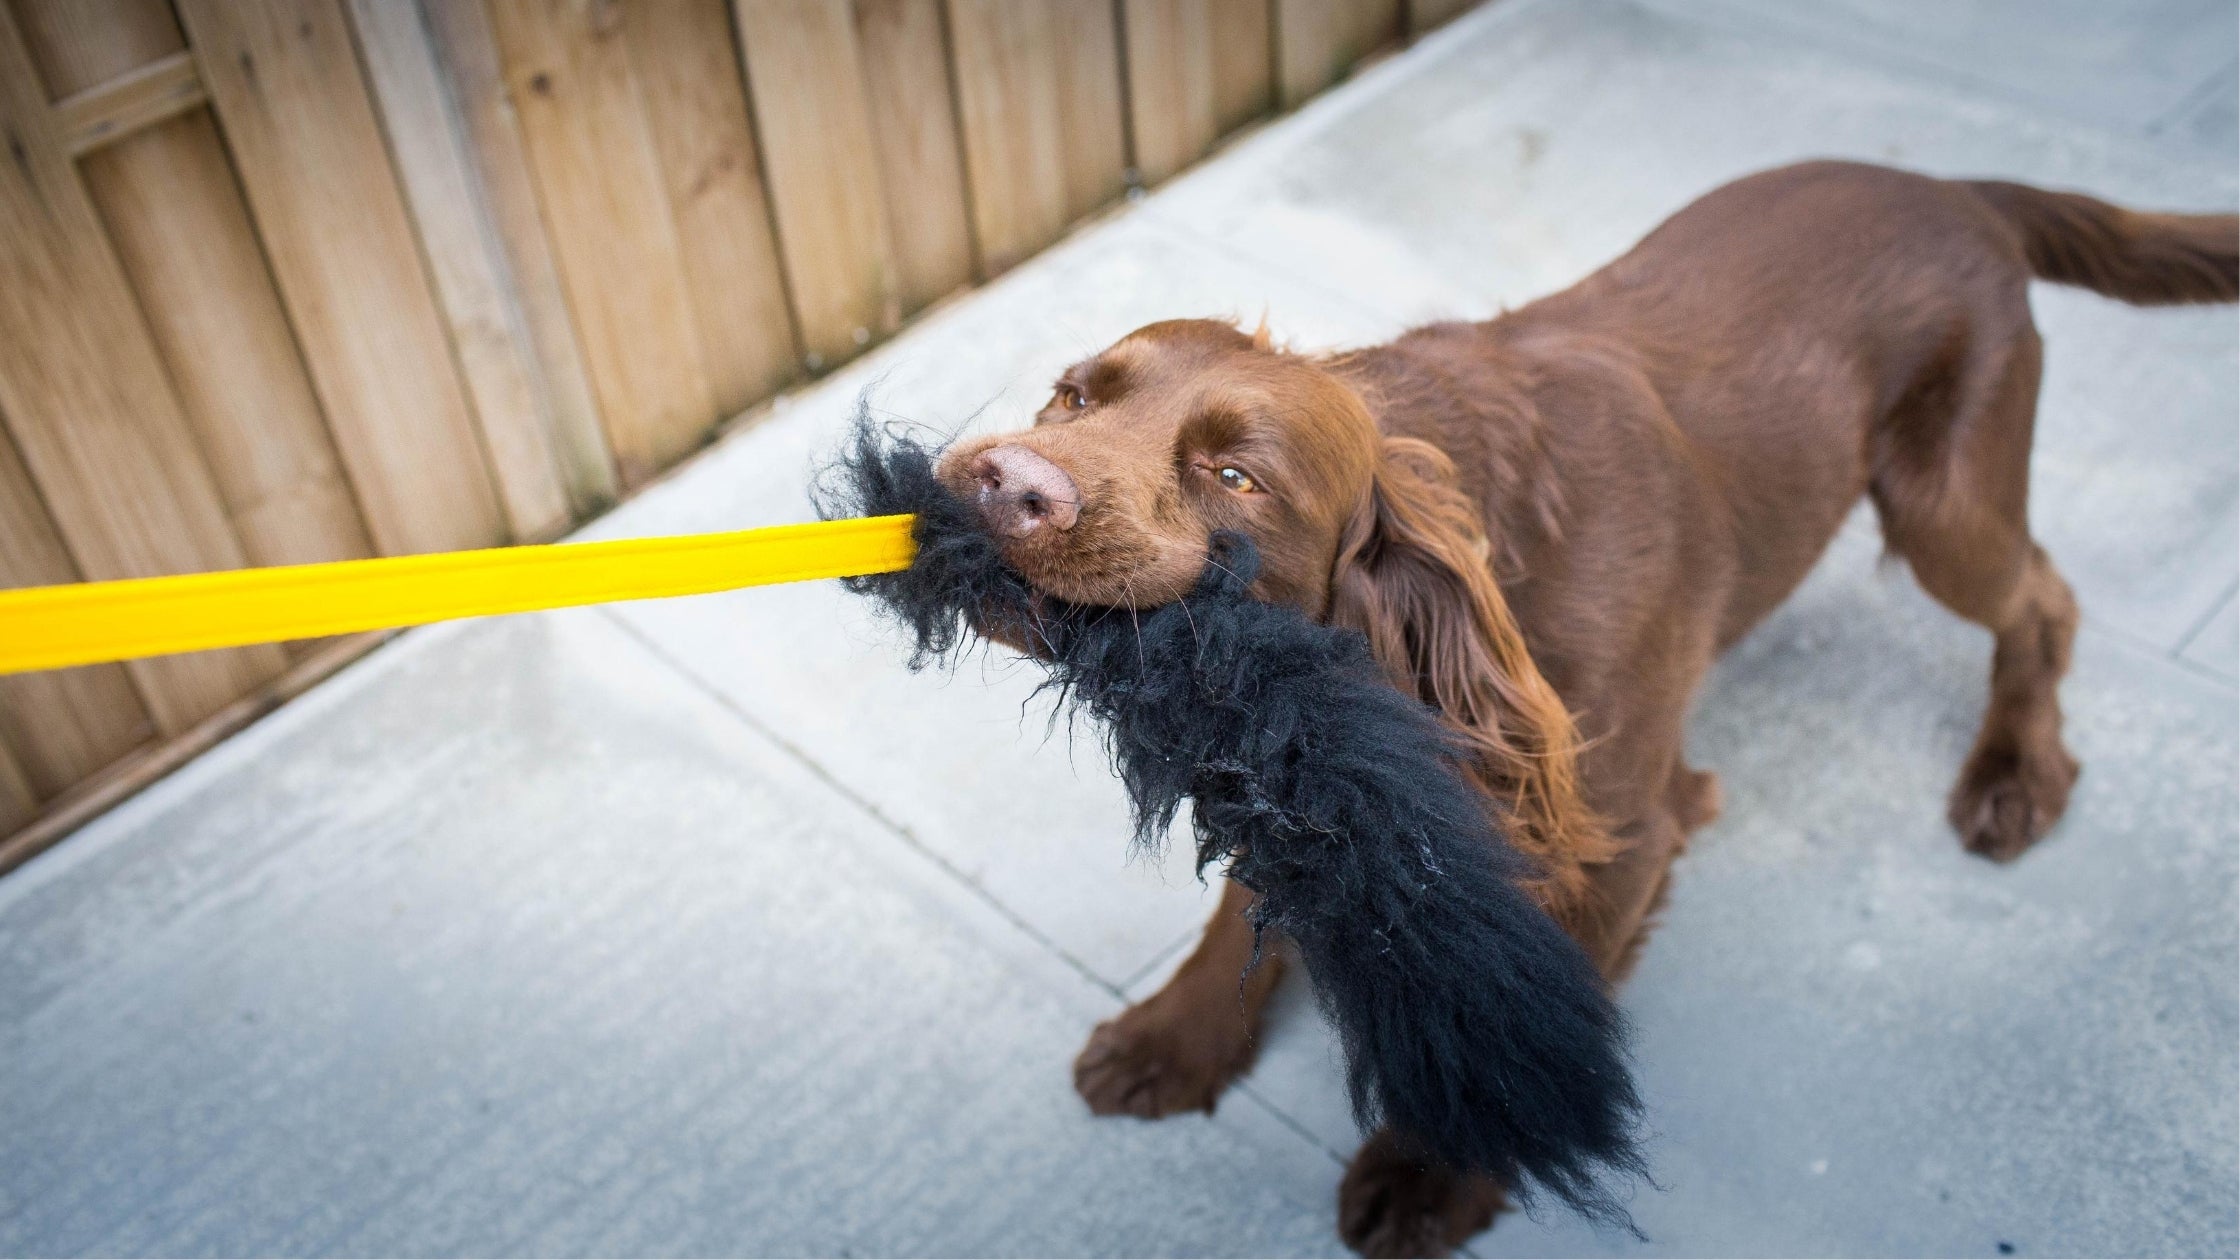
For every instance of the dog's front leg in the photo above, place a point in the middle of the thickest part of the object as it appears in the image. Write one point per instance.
(1394, 1202)
(1179, 1048)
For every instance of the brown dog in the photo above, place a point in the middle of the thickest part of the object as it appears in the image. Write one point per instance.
(1549, 524)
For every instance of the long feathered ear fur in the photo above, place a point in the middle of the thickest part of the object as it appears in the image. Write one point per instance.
(1412, 576)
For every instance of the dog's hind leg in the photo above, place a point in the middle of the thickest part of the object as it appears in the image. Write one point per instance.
(1179, 1048)
(1953, 493)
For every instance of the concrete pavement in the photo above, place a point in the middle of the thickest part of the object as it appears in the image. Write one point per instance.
(701, 926)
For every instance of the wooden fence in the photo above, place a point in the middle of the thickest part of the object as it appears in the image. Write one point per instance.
(295, 280)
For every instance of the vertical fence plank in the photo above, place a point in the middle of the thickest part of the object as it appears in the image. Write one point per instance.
(1378, 23)
(85, 396)
(913, 121)
(1425, 15)
(463, 259)
(174, 213)
(1007, 109)
(185, 239)
(468, 52)
(1243, 79)
(1311, 47)
(283, 77)
(78, 43)
(683, 53)
(284, 80)
(810, 108)
(17, 804)
(1091, 118)
(1038, 94)
(569, 75)
(1317, 41)
(1171, 107)
(60, 726)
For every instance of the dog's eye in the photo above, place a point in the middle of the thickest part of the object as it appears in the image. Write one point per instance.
(1071, 399)
(1237, 480)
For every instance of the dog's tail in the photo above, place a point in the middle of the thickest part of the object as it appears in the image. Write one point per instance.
(2139, 257)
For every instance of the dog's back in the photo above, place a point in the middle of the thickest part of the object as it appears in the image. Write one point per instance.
(1830, 329)
(1664, 450)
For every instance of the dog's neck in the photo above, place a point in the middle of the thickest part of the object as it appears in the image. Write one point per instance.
(1452, 385)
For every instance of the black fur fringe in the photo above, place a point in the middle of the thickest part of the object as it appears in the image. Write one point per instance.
(1471, 1023)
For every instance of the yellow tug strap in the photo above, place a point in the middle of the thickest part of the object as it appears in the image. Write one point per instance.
(48, 627)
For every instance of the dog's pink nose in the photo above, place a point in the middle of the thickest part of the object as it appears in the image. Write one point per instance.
(1020, 491)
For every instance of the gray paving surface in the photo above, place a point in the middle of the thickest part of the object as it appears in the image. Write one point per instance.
(702, 927)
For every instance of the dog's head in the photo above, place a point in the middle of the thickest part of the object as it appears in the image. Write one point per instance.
(1147, 448)
(1185, 428)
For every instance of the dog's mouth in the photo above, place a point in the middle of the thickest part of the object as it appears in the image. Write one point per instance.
(1049, 603)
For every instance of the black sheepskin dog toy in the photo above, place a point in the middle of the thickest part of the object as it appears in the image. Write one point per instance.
(1471, 1022)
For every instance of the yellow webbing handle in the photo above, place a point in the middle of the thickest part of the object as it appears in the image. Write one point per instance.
(48, 627)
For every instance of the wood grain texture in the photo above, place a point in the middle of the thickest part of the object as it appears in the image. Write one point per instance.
(176, 218)
(1425, 15)
(17, 805)
(1318, 41)
(488, 336)
(107, 112)
(467, 50)
(62, 725)
(1310, 48)
(914, 126)
(1171, 83)
(86, 399)
(1243, 63)
(1378, 24)
(284, 79)
(1038, 99)
(79, 45)
(810, 110)
(1092, 126)
(600, 182)
(688, 69)
(1008, 89)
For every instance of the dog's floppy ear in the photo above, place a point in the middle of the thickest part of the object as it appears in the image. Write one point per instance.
(1412, 575)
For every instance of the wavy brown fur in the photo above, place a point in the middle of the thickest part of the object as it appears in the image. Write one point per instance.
(1412, 576)
(1470, 1020)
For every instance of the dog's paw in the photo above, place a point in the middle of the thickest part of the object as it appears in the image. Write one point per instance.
(1154, 1060)
(2006, 800)
(1394, 1204)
